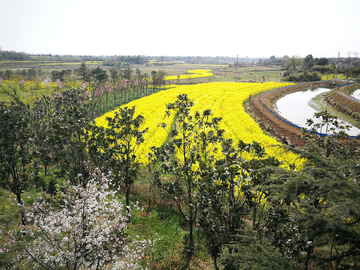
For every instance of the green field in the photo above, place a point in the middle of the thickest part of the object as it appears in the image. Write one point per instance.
(222, 73)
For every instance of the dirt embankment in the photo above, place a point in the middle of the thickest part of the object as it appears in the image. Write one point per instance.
(283, 131)
(343, 104)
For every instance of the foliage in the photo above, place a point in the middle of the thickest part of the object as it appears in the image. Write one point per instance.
(321, 199)
(61, 75)
(83, 72)
(218, 181)
(302, 76)
(191, 148)
(66, 119)
(228, 192)
(122, 59)
(13, 91)
(293, 63)
(12, 55)
(158, 78)
(246, 252)
(309, 62)
(322, 61)
(126, 73)
(116, 147)
(326, 131)
(323, 69)
(85, 229)
(316, 209)
(99, 74)
(18, 166)
(353, 72)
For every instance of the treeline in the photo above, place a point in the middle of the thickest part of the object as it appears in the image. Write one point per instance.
(12, 55)
(312, 69)
(27, 74)
(120, 60)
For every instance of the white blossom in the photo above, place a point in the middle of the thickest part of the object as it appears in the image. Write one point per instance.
(86, 230)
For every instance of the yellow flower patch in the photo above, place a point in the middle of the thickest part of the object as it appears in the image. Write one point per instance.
(224, 99)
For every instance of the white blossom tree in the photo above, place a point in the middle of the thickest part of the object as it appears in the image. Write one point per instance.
(87, 231)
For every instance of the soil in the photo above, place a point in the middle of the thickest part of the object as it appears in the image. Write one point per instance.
(344, 105)
(281, 130)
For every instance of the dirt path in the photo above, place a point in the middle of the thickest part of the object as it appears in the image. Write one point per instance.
(286, 133)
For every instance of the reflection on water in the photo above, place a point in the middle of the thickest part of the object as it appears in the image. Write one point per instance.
(356, 94)
(296, 107)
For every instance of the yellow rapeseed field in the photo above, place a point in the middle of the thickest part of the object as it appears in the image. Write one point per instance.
(224, 99)
(195, 73)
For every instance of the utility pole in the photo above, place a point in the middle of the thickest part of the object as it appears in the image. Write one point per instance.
(336, 69)
(237, 64)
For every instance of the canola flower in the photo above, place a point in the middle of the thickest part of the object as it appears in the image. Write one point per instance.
(195, 73)
(33, 89)
(205, 65)
(333, 76)
(224, 99)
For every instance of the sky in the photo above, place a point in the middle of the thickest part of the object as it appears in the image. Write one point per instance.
(251, 28)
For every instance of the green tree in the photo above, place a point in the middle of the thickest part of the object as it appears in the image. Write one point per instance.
(228, 192)
(61, 75)
(70, 121)
(42, 113)
(309, 62)
(302, 76)
(8, 74)
(353, 73)
(138, 74)
(326, 131)
(115, 147)
(293, 62)
(248, 253)
(317, 208)
(158, 78)
(322, 61)
(18, 167)
(31, 74)
(13, 91)
(328, 69)
(83, 72)
(127, 73)
(99, 74)
(114, 74)
(222, 211)
(191, 147)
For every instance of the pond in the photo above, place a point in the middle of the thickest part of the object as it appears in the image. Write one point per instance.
(300, 106)
(356, 94)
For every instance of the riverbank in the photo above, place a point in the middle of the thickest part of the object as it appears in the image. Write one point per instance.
(271, 123)
(343, 104)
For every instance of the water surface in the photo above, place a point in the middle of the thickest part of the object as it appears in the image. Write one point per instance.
(356, 94)
(300, 106)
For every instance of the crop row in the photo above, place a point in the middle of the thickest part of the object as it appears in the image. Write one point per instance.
(224, 99)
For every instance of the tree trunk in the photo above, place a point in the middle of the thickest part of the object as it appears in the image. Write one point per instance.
(127, 199)
(307, 259)
(215, 263)
(20, 203)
